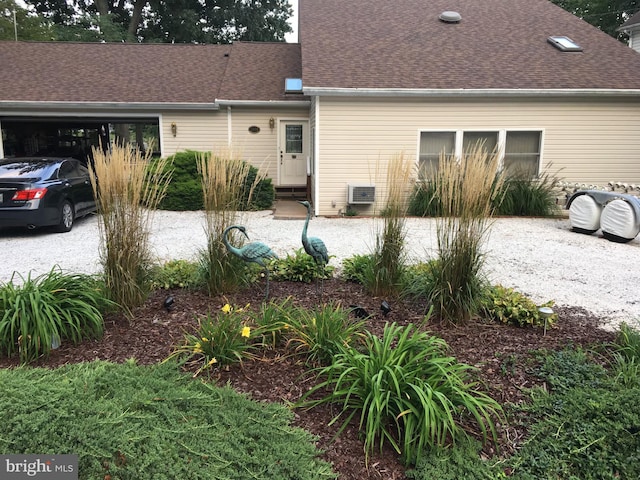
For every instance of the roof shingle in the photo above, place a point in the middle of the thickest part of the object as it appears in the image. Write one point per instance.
(498, 44)
(146, 73)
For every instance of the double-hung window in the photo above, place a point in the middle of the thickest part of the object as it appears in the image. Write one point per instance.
(519, 149)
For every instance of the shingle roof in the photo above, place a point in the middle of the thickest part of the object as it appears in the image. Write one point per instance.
(256, 71)
(499, 44)
(145, 73)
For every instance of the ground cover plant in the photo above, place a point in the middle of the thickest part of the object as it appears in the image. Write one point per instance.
(148, 423)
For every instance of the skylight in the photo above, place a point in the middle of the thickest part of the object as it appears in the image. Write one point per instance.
(564, 44)
(293, 85)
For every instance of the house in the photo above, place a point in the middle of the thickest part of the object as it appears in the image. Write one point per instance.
(368, 80)
(632, 28)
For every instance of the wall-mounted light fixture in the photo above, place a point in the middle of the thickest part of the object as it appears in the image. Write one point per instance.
(272, 123)
(174, 129)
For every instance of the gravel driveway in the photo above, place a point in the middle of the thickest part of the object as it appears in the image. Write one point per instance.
(541, 258)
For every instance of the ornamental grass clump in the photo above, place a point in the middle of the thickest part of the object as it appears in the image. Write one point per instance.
(225, 193)
(406, 390)
(467, 188)
(53, 308)
(127, 193)
(388, 257)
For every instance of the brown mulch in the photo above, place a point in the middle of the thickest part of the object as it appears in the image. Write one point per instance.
(502, 354)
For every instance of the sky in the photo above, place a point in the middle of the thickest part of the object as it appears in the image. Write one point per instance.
(293, 21)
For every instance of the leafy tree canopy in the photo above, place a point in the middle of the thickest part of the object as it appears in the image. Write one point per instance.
(29, 25)
(607, 15)
(166, 21)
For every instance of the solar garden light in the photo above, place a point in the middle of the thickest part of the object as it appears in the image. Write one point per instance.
(545, 312)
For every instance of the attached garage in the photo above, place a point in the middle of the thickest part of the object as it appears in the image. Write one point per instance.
(74, 136)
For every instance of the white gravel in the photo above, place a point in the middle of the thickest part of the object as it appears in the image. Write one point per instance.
(541, 258)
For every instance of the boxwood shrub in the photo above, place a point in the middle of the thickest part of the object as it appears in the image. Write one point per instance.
(185, 190)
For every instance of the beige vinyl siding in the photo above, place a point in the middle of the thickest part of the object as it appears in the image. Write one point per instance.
(205, 131)
(261, 149)
(584, 141)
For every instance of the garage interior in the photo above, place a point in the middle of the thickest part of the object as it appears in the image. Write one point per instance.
(75, 137)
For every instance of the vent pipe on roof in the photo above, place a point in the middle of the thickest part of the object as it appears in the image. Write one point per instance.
(450, 17)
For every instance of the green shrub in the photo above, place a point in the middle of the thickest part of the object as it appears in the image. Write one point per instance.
(519, 196)
(508, 306)
(357, 267)
(406, 390)
(53, 306)
(523, 196)
(185, 190)
(586, 427)
(417, 279)
(320, 333)
(299, 267)
(219, 341)
(176, 274)
(424, 201)
(151, 423)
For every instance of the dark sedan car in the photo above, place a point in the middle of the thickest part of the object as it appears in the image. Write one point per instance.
(38, 192)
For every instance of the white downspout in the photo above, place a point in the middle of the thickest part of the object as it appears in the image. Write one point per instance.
(229, 126)
(316, 156)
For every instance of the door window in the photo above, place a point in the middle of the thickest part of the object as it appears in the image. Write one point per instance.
(293, 139)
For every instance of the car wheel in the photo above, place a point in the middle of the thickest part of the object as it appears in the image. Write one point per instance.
(66, 217)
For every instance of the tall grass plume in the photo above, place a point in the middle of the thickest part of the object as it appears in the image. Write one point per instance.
(388, 258)
(127, 193)
(225, 193)
(467, 188)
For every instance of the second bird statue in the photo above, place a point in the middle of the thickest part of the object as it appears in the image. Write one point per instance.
(314, 246)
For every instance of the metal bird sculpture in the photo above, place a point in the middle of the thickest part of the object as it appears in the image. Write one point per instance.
(313, 245)
(254, 252)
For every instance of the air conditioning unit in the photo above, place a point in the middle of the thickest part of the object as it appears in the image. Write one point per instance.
(361, 194)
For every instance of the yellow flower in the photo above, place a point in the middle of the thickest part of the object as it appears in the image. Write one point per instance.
(226, 308)
(246, 332)
(212, 361)
(205, 339)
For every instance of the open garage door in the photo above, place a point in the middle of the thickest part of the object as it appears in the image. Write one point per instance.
(75, 136)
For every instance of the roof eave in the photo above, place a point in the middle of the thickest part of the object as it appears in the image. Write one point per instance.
(471, 92)
(263, 103)
(107, 105)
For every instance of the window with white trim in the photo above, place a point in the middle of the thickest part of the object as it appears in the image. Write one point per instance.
(522, 153)
(520, 148)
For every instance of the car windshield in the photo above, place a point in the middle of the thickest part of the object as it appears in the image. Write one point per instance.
(33, 169)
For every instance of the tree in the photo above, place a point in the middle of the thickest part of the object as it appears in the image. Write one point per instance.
(607, 15)
(28, 26)
(171, 21)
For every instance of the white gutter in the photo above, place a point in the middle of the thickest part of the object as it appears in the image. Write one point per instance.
(470, 92)
(107, 105)
(263, 103)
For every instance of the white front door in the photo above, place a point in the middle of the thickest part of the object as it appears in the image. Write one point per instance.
(293, 151)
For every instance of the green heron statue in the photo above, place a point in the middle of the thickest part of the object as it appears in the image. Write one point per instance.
(254, 252)
(313, 245)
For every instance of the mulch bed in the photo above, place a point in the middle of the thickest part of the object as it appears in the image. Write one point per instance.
(501, 353)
